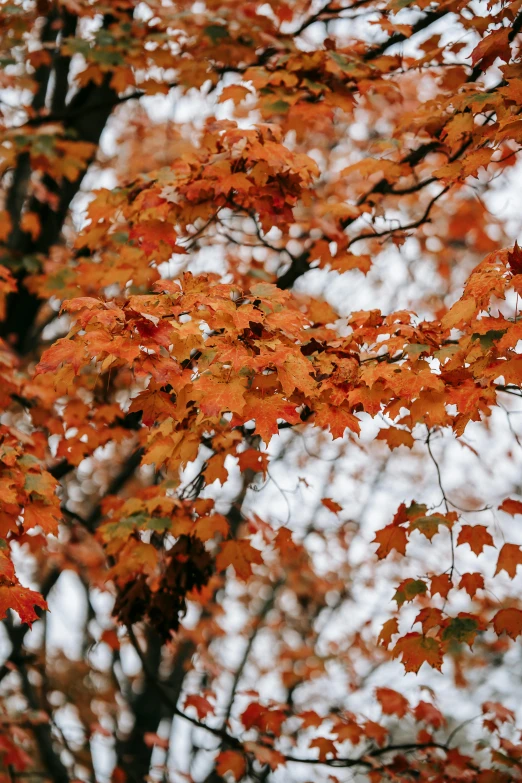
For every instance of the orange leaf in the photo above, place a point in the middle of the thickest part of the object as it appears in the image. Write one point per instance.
(389, 628)
(415, 649)
(231, 761)
(202, 706)
(441, 584)
(511, 506)
(207, 527)
(331, 505)
(325, 746)
(389, 538)
(266, 756)
(508, 621)
(463, 310)
(254, 460)
(494, 45)
(509, 558)
(471, 583)
(392, 703)
(239, 554)
(428, 713)
(22, 600)
(477, 536)
(336, 419)
(395, 437)
(267, 410)
(408, 590)
(30, 224)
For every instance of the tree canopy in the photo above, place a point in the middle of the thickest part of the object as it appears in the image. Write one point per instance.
(260, 443)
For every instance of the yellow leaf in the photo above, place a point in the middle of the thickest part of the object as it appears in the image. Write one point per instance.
(463, 310)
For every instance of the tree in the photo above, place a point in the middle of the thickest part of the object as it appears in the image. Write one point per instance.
(260, 376)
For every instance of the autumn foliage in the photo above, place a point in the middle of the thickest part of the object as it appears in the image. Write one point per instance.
(259, 376)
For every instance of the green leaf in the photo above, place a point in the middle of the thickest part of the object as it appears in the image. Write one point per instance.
(216, 33)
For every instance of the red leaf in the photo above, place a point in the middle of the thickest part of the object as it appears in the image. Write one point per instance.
(508, 621)
(331, 505)
(428, 713)
(471, 583)
(202, 706)
(325, 746)
(231, 761)
(389, 628)
(515, 259)
(22, 600)
(441, 585)
(511, 506)
(477, 536)
(494, 45)
(389, 538)
(415, 649)
(392, 703)
(509, 559)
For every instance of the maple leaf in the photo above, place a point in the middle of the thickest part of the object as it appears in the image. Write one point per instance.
(207, 527)
(325, 746)
(234, 92)
(217, 396)
(477, 536)
(414, 649)
(310, 718)
(462, 628)
(151, 233)
(441, 584)
(389, 538)
(514, 258)
(202, 705)
(265, 719)
(63, 351)
(429, 526)
(392, 703)
(494, 45)
(374, 731)
(266, 411)
(395, 437)
(231, 761)
(500, 713)
(266, 756)
(461, 311)
(508, 621)
(471, 583)
(428, 713)
(38, 514)
(509, 558)
(286, 545)
(154, 406)
(511, 506)
(22, 600)
(252, 459)
(336, 419)
(41, 484)
(331, 505)
(430, 617)
(348, 729)
(239, 554)
(389, 628)
(409, 590)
